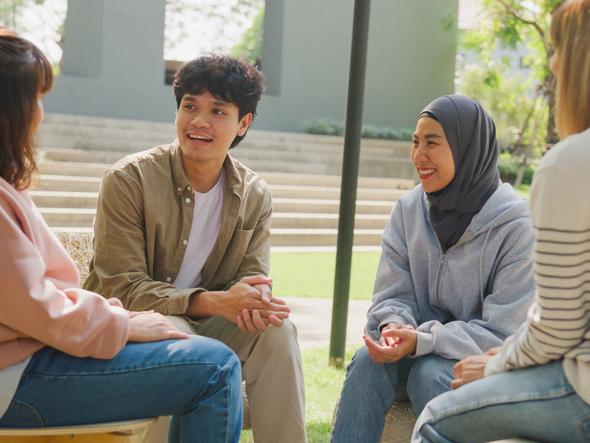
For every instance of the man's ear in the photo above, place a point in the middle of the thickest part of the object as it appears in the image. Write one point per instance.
(245, 123)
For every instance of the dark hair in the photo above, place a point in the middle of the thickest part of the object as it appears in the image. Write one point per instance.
(228, 78)
(25, 73)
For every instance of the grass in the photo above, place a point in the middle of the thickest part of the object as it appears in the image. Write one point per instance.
(311, 274)
(323, 384)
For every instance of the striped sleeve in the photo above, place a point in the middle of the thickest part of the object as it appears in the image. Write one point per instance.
(558, 321)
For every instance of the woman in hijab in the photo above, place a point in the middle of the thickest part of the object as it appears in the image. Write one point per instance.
(537, 384)
(455, 276)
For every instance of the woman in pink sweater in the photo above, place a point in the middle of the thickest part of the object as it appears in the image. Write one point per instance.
(68, 356)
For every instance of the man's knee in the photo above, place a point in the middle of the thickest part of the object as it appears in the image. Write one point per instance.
(431, 369)
(279, 341)
(429, 377)
(363, 366)
(181, 324)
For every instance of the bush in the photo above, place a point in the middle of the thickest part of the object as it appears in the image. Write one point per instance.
(330, 127)
(508, 166)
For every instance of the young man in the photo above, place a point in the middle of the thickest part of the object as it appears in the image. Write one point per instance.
(184, 229)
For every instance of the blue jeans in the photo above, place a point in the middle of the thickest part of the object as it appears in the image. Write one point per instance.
(371, 388)
(197, 381)
(536, 403)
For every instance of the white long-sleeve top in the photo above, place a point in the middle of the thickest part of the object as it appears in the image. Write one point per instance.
(558, 324)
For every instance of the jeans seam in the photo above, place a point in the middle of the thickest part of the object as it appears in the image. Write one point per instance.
(30, 409)
(493, 401)
(583, 427)
(42, 375)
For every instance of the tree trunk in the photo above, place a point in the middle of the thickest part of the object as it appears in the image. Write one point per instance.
(521, 171)
(549, 86)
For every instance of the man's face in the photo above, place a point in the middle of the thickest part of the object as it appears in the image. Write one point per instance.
(206, 126)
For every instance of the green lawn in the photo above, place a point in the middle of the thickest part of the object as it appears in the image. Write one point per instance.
(311, 274)
(322, 389)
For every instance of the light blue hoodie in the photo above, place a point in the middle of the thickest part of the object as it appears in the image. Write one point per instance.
(467, 300)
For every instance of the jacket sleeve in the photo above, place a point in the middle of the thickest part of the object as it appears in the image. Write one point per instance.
(72, 320)
(557, 323)
(256, 260)
(119, 267)
(503, 309)
(394, 299)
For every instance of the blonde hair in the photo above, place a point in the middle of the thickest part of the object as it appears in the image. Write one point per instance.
(570, 32)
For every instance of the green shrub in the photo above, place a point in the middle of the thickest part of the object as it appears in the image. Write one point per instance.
(324, 127)
(508, 166)
(330, 127)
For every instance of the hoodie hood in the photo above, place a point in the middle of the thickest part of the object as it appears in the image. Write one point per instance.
(504, 206)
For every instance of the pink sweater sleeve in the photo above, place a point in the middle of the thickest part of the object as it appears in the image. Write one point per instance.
(40, 297)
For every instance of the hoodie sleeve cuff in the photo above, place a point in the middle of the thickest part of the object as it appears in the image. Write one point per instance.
(495, 365)
(391, 319)
(424, 343)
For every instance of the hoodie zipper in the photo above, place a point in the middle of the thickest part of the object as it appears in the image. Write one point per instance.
(441, 267)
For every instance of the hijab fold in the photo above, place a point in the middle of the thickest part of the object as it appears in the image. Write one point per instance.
(471, 135)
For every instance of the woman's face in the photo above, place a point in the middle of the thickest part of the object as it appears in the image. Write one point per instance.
(38, 115)
(431, 155)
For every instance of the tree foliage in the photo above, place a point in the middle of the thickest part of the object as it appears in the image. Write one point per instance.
(218, 23)
(510, 24)
(251, 45)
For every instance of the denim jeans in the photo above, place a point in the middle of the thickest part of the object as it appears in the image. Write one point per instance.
(197, 381)
(371, 388)
(536, 403)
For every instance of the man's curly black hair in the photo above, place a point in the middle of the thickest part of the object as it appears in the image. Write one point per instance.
(228, 78)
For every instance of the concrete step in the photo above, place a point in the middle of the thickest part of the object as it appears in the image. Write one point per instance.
(132, 135)
(305, 179)
(49, 167)
(294, 220)
(81, 155)
(322, 164)
(125, 142)
(93, 170)
(68, 217)
(333, 193)
(280, 237)
(317, 206)
(88, 200)
(327, 207)
(246, 151)
(322, 237)
(64, 199)
(61, 183)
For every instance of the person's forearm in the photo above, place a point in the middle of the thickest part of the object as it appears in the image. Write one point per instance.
(205, 304)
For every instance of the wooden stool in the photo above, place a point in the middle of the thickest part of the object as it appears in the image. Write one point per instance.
(132, 431)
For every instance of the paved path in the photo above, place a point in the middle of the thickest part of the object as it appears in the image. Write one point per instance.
(313, 317)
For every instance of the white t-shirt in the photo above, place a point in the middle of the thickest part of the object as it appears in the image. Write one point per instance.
(203, 235)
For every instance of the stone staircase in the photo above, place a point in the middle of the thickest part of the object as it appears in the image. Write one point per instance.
(305, 205)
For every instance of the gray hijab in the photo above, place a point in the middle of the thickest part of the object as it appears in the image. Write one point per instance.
(471, 134)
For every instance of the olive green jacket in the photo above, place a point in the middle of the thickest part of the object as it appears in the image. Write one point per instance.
(142, 225)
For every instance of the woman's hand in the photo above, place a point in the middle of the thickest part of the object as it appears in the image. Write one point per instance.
(470, 369)
(151, 326)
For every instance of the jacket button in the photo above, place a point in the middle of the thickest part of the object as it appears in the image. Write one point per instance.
(185, 242)
(168, 279)
(188, 200)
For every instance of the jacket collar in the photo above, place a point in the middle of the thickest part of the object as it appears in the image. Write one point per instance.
(181, 183)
